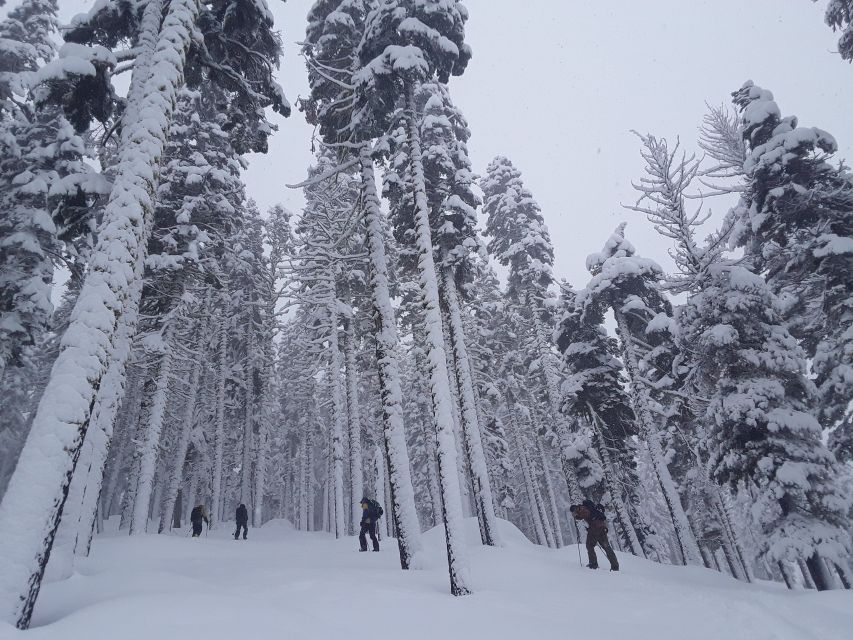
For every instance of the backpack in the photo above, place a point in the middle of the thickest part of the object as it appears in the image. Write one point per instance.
(374, 509)
(195, 515)
(596, 510)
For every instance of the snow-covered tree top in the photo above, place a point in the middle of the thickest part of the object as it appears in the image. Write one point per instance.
(415, 40)
(518, 236)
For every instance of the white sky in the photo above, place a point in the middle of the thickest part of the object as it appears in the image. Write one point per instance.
(556, 85)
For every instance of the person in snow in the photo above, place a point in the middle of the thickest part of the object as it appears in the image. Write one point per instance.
(242, 522)
(197, 516)
(371, 512)
(596, 532)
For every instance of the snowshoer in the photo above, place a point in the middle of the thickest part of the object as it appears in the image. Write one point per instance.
(242, 522)
(197, 516)
(596, 532)
(371, 512)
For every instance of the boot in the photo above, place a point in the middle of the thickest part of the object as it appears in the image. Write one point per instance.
(592, 566)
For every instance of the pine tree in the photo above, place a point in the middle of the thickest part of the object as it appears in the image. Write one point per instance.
(349, 119)
(759, 432)
(452, 204)
(839, 16)
(407, 42)
(162, 37)
(519, 239)
(46, 189)
(593, 392)
(796, 225)
(628, 284)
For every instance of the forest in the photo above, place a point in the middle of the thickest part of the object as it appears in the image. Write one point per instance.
(403, 336)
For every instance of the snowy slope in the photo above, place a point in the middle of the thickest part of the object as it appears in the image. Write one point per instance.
(287, 584)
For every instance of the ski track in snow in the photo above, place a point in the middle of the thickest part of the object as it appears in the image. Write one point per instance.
(288, 584)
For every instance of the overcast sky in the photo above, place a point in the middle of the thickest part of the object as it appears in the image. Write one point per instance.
(557, 85)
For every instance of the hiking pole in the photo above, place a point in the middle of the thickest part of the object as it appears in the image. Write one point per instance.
(578, 532)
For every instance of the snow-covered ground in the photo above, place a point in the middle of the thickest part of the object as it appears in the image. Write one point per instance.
(286, 584)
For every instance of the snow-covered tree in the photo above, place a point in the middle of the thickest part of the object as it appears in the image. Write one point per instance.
(628, 285)
(796, 225)
(161, 37)
(519, 239)
(839, 16)
(760, 434)
(407, 42)
(334, 32)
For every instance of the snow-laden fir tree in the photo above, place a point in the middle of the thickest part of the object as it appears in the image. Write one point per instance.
(593, 392)
(161, 37)
(628, 285)
(665, 201)
(519, 239)
(352, 119)
(796, 225)
(760, 435)
(407, 42)
(839, 16)
(46, 189)
(452, 204)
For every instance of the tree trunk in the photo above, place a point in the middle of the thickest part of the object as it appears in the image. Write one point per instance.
(399, 472)
(552, 498)
(354, 425)
(149, 447)
(219, 433)
(338, 415)
(470, 423)
(631, 541)
(641, 402)
(36, 494)
(722, 508)
(534, 500)
(454, 525)
(177, 468)
(248, 415)
(820, 574)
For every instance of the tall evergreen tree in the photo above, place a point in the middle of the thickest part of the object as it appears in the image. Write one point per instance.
(351, 119)
(162, 37)
(759, 432)
(796, 225)
(628, 284)
(407, 42)
(519, 239)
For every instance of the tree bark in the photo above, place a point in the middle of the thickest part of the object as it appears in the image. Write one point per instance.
(37, 491)
(402, 494)
(354, 425)
(439, 378)
(470, 423)
(641, 402)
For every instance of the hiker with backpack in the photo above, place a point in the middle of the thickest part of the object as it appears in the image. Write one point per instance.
(371, 512)
(596, 532)
(197, 516)
(242, 522)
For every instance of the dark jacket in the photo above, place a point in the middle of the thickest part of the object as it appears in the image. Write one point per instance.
(198, 514)
(242, 514)
(593, 519)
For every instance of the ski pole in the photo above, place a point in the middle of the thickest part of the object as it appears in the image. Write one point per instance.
(578, 532)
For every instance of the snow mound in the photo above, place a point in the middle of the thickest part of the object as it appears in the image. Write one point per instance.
(283, 583)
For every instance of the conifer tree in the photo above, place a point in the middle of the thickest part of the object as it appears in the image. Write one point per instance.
(796, 225)
(759, 432)
(349, 119)
(162, 37)
(628, 284)
(519, 239)
(407, 42)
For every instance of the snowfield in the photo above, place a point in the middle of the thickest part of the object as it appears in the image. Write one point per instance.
(285, 584)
